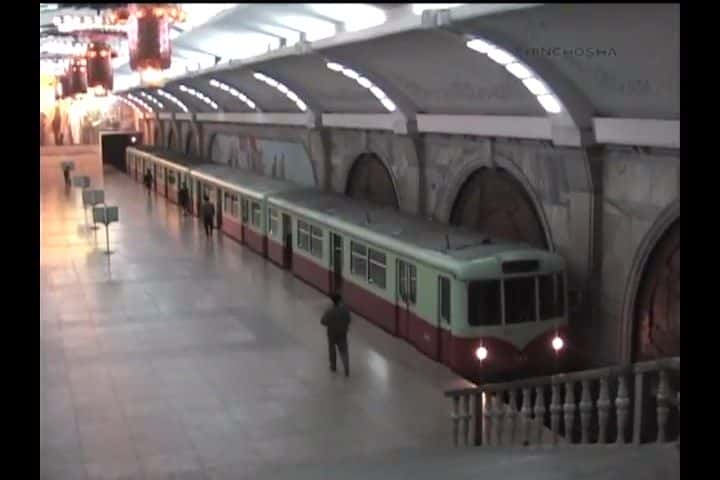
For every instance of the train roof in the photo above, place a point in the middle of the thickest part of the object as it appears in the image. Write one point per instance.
(169, 156)
(243, 181)
(459, 250)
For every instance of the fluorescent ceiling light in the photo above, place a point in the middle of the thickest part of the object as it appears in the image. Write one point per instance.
(501, 56)
(550, 103)
(379, 94)
(519, 70)
(388, 104)
(364, 82)
(535, 86)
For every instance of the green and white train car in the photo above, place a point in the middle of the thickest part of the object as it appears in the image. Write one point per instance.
(484, 307)
(240, 199)
(169, 171)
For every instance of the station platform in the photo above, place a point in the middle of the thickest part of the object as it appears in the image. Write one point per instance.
(182, 357)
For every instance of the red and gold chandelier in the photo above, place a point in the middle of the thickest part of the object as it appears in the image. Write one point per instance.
(148, 34)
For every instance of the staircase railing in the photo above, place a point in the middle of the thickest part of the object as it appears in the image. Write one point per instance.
(636, 403)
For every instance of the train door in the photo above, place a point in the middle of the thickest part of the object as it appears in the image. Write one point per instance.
(218, 207)
(155, 174)
(336, 262)
(287, 235)
(245, 217)
(444, 309)
(402, 304)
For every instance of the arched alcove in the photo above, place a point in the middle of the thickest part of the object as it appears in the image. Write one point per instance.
(370, 180)
(656, 315)
(492, 201)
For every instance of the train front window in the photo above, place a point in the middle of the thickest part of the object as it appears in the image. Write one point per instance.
(484, 304)
(520, 300)
(552, 296)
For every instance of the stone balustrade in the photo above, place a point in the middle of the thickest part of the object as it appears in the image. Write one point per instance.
(630, 404)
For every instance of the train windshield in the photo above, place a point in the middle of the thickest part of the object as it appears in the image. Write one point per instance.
(525, 299)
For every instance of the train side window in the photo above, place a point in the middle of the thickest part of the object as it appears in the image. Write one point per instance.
(376, 268)
(303, 235)
(484, 305)
(234, 205)
(273, 222)
(520, 300)
(255, 215)
(316, 238)
(358, 259)
(444, 299)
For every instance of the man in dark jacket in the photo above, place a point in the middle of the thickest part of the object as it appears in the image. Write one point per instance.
(208, 214)
(66, 173)
(147, 180)
(184, 199)
(337, 321)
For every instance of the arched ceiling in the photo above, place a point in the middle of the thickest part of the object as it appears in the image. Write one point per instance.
(598, 60)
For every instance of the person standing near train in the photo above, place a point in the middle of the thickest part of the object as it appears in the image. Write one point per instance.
(208, 214)
(184, 198)
(148, 180)
(337, 322)
(66, 173)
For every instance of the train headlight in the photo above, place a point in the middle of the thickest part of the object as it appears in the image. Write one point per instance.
(558, 343)
(481, 353)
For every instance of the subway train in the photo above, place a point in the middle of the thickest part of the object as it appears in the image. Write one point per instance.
(489, 309)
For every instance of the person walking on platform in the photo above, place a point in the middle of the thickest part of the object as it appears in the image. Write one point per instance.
(184, 198)
(337, 321)
(66, 173)
(208, 214)
(148, 180)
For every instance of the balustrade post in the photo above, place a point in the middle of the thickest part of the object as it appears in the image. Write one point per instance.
(479, 411)
(539, 412)
(512, 414)
(663, 409)
(569, 409)
(499, 414)
(527, 414)
(555, 410)
(455, 419)
(465, 418)
(638, 411)
(586, 406)
(603, 404)
(487, 431)
(622, 408)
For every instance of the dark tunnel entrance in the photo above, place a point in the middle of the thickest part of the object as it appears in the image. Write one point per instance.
(370, 180)
(493, 202)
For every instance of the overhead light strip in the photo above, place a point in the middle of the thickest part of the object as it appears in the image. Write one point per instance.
(197, 94)
(234, 92)
(130, 104)
(173, 99)
(292, 96)
(376, 91)
(549, 102)
(140, 102)
(152, 99)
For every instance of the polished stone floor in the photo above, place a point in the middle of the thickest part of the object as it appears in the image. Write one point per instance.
(179, 357)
